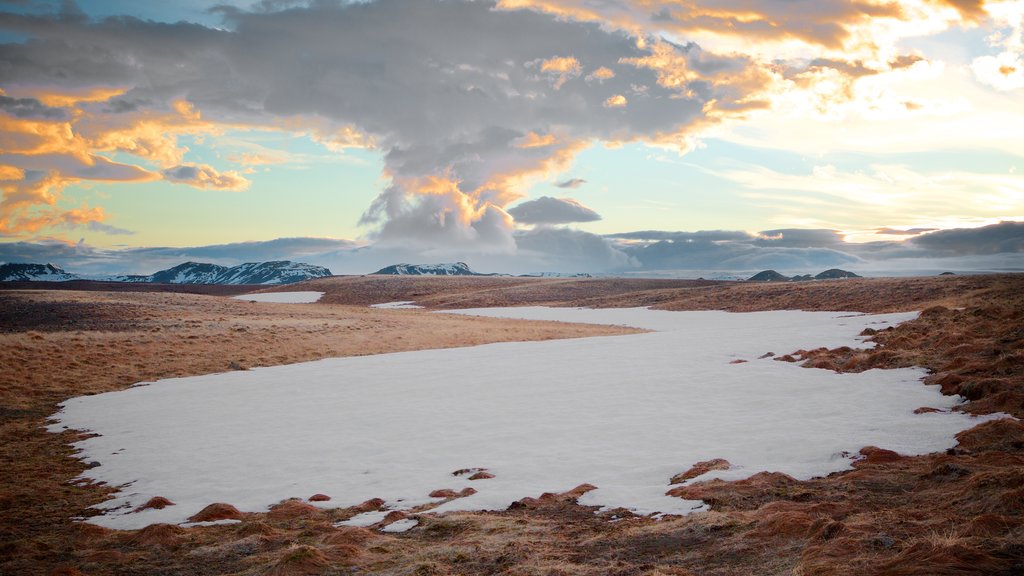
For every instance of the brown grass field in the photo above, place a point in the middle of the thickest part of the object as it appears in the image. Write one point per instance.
(959, 512)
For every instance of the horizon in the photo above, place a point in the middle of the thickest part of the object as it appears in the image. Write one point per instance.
(622, 139)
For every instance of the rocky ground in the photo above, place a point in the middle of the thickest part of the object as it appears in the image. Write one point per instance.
(960, 512)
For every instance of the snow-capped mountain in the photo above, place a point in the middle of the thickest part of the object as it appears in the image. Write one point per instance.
(275, 272)
(13, 272)
(189, 273)
(453, 269)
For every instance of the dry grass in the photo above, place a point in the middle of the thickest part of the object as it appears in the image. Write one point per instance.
(960, 512)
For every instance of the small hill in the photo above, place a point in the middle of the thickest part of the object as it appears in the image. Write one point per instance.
(835, 273)
(768, 276)
(14, 272)
(557, 275)
(453, 269)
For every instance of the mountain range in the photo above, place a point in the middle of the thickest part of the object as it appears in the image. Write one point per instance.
(274, 272)
(452, 269)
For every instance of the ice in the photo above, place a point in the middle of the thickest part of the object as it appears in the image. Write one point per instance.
(404, 304)
(282, 297)
(624, 413)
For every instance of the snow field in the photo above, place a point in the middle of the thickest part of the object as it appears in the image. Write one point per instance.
(282, 297)
(624, 413)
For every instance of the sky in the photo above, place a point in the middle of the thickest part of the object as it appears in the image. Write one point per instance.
(641, 137)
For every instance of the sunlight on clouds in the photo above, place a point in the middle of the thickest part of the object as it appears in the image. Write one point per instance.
(534, 140)
(1005, 70)
(616, 101)
(64, 98)
(861, 199)
(602, 73)
(206, 177)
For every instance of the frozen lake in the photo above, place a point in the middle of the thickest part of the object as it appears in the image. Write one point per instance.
(624, 413)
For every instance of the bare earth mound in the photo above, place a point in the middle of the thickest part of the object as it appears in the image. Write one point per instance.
(960, 512)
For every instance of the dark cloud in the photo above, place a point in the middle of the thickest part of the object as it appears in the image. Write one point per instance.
(548, 210)
(124, 105)
(799, 238)
(571, 183)
(1005, 237)
(30, 108)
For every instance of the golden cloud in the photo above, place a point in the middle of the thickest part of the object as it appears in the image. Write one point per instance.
(616, 101)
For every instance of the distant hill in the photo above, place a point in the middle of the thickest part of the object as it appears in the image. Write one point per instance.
(768, 276)
(14, 272)
(834, 273)
(454, 269)
(773, 276)
(557, 275)
(274, 272)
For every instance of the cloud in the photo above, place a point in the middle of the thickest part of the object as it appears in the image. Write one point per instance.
(699, 236)
(571, 183)
(566, 250)
(29, 108)
(205, 176)
(549, 249)
(1005, 237)
(615, 101)
(907, 232)
(368, 72)
(548, 210)
(706, 252)
(798, 238)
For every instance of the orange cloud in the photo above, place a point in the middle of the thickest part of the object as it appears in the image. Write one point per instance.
(39, 158)
(970, 10)
(616, 101)
(66, 98)
(206, 176)
(506, 187)
(11, 173)
(534, 140)
(561, 65)
(602, 73)
(565, 67)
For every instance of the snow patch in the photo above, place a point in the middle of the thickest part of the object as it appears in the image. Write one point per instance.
(282, 297)
(400, 525)
(365, 519)
(624, 413)
(403, 304)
